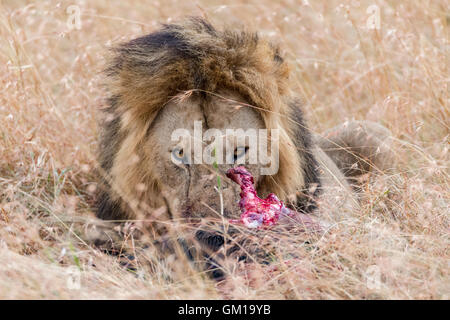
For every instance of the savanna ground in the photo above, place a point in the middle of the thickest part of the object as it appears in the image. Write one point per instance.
(396, 246)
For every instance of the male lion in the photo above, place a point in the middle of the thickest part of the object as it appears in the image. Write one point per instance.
(188, 72)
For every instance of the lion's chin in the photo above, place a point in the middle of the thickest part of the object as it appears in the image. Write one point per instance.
(194, 209)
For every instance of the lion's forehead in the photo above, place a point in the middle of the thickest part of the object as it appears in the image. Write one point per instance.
(231, 112)
(179, 115)
(219, 112)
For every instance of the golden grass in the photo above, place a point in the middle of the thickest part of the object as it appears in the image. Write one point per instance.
(398, 75)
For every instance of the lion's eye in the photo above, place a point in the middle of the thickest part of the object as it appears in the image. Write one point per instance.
(178, 155)
(239, 152)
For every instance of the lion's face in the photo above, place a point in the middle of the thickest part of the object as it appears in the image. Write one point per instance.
(191, 188)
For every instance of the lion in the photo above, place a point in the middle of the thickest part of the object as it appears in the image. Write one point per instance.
(190, 72)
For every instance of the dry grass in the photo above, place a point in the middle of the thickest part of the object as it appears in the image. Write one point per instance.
(398, 75)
